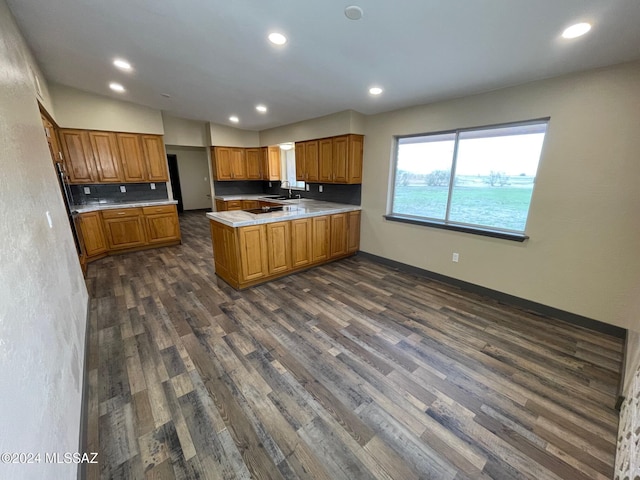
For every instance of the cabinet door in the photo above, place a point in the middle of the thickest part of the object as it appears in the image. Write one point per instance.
(92, 234)
(238, 164)
(221, 205)
(131, 157)
(340, 158)
(354, 161)
(325, 152)
(253, 160)
(106, 156)
(274, 163)
(312, 166)
(52, 140)
(278, 247)
(320, 238)
(155, 158)
(300, 162)
(338, 229)
(301, 242)
(221, 158)
(233, 205)
(224, 252)
(124, 228)
(253, 252)
(353, 236)
(162, 224)
(249, 204)
(76, 147)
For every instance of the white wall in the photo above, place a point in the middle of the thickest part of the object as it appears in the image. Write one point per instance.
(184, 132)
(77, 109)
(193, 169)
(339, 123)
(43, 299)
(224, 136)
(583, 223)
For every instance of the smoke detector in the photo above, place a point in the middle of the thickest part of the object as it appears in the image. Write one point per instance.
(353, 12)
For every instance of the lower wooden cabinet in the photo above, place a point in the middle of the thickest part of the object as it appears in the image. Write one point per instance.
(124, 228)
(119, 230)
(92, 234)
(246, 256)
(249, 204)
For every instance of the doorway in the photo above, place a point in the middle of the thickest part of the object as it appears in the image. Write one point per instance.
(174, 174)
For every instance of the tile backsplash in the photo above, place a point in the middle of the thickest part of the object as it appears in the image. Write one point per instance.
(111, 193)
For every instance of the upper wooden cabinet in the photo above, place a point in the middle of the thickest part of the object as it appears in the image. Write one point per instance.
(229, 163)
(109, 157)
(155, 158)
(253, 159)
(78, 155)
(131, 157)
(307, 161)
(105, 154)
(271, 163)
(341, 159)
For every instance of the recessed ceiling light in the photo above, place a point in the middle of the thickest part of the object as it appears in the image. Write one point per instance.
(277, 38)
(122, 64)
(576, 30)
(375, 90)
(261, 108)
(286, 146)
(353, 12)
(234, 119)
(116, 87)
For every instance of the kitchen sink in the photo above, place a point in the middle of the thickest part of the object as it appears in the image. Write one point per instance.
(258, 211)
(277, 197)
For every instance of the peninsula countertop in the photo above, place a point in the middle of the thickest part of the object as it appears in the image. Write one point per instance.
(94, 207)
(293, 209)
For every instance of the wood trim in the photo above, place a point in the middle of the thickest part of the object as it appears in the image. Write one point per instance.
(534, 307)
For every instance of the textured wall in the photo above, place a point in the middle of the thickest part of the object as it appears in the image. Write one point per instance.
(584, 223)
(43, 299)
(224, 136)
(77, 109)
(184, 132)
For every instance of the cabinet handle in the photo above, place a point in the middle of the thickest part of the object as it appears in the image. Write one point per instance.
(121, 213)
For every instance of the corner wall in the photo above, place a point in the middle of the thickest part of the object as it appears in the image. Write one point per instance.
(583, 222)
(43, 299)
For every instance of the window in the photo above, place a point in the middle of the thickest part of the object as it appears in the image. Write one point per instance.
(288, 167)
(478, 180)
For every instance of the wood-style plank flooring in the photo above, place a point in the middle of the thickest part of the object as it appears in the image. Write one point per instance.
(351, 370)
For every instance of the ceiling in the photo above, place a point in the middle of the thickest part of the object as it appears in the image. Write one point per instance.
(213, 58)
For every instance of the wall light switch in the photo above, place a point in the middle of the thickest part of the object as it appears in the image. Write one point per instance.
(153, 186)
(49, 220)
(123, 189)
(86, 190)
(320, 188)
(455, 257)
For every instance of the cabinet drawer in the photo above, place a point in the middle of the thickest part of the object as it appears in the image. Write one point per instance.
(159, 209)
(121, 212)
(234, 205)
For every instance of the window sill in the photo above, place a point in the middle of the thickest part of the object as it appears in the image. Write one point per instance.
(485, 232)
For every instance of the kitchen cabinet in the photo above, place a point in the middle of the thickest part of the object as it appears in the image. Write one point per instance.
(307, 161)
(220, 205)
(233, 205)
(76, 148)
(246, 256)
(253, 247)
(162, 224)
(238, 164)
(301, 242)
(278, 247)
(92, 234)
(271, 163)
(320, 239)
(229, 163)
(104, 146)
(342, 163)
(353, 236)
(338, 235)
(131, 157)
(249, 204)
(124, 228)
(253, 159)
(50, 133)
(155, 158)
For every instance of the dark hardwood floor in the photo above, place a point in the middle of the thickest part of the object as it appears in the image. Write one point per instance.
(347, 371)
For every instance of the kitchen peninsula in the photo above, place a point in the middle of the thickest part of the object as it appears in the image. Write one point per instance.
(251, 248)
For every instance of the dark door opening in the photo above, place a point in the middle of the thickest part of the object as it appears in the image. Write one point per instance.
(175, 180)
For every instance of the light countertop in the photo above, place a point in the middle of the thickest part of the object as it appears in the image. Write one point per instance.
(250, 196)
(110, 206)
(293, 209)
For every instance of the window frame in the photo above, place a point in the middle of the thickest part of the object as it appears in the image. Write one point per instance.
(446, 224)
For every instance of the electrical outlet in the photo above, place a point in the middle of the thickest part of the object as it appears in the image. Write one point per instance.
(307, 186)
(153, 186)
(86, 190)
(270, 185)
(123, 189)
(455, 258)
(320, 188)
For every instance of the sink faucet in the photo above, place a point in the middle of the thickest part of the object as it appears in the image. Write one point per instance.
(286, 184)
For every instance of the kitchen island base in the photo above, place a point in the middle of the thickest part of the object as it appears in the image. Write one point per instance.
(249, 255)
